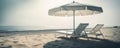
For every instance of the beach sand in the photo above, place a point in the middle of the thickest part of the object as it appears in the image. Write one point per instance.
(53, 40)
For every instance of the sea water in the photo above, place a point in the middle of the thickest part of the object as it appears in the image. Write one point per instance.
(20, 28)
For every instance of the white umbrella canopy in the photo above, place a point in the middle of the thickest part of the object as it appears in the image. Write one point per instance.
(75, 9)
(80, 10)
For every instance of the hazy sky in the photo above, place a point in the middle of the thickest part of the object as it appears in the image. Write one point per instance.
(35, 13)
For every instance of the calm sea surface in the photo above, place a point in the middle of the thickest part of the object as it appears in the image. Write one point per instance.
(20, 28)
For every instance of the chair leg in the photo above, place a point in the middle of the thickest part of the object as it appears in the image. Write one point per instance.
(86, 35)
(96, 36)
(102, 34)
(66, 35)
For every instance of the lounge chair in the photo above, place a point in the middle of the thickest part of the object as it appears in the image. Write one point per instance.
(96, 31)
(77, 32)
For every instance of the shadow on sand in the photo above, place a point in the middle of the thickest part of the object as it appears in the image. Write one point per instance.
(80, 43)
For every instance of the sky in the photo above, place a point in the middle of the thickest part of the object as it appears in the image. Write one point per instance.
(35, 13)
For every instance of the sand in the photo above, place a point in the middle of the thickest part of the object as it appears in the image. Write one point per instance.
(53, 40)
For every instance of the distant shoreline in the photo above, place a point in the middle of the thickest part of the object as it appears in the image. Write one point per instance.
(37, 30)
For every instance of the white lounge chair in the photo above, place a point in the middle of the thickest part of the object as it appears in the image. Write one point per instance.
(96, 30)
(77, 32)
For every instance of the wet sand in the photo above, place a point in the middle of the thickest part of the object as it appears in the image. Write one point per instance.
(53, 40)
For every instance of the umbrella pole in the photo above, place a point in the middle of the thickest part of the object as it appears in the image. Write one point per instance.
(74, 21)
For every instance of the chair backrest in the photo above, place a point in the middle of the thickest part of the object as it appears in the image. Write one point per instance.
(97, 27)
(81, 27)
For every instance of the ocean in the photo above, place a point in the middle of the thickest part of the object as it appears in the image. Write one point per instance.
(20, 28)
(30, 28)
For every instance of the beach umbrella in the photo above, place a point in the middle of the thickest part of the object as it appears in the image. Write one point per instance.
(75, 9)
